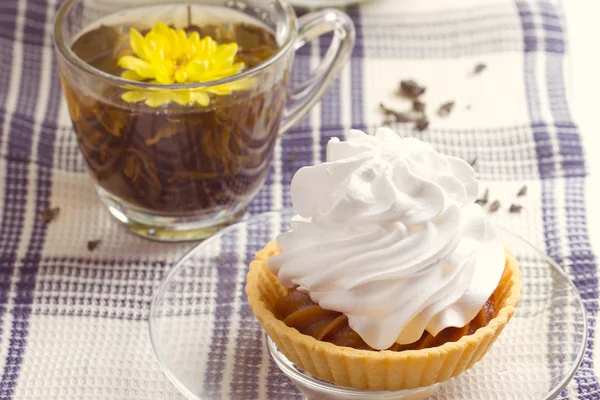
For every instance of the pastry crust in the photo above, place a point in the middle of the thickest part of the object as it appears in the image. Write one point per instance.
(376, 370)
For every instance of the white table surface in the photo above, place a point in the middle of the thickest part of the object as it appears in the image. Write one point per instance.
(584, 36)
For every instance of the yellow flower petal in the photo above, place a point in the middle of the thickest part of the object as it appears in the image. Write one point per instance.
(212, 47)
(194, 38)
(140, 66)
(138, 44)
(227, 88)
(220, 89)
(181, 76)
(182, 97)
(225, 72)
(200, 97)
(196, 69)
(243, 84)
(208, 47)
(133, 96)
(163, 73)
(160, 29)
(225, 53)
(131, 75)
(159, 98)
(179, 44)
(165, 56)
(238, 66)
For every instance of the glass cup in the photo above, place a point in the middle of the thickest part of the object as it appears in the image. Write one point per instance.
(172, 170)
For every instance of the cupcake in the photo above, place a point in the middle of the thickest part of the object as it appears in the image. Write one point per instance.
(391, 277)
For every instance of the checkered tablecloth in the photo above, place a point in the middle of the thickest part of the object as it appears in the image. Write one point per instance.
(73, 322)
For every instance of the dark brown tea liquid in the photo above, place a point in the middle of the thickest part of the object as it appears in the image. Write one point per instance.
(173, 159)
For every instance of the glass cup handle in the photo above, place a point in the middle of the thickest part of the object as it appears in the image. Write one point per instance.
(303, 96)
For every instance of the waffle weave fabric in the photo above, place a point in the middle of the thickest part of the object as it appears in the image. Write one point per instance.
(73, 323)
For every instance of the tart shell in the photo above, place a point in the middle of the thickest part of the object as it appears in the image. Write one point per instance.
(376, 370)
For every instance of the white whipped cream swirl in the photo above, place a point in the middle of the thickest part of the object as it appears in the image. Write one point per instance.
(388, 234)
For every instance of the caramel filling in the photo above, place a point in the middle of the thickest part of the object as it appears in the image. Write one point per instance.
(298, 311)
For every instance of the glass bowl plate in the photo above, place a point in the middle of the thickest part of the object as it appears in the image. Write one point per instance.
(212, 347)
(324, 3)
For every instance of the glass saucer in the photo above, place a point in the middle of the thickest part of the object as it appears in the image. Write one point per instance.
(324, 3)
(211, 346)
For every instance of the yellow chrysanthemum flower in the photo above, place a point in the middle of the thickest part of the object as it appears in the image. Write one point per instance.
(168, 56)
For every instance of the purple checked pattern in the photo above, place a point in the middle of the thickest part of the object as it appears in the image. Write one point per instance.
(40, 163)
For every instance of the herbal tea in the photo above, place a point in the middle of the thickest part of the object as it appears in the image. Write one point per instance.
(178, 152)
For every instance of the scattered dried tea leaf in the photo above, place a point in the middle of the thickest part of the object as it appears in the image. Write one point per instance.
(472, 163)
(50, 214)
(398, 116)
(515, 208)
(221, 259)
(418, 106)
(410, 88)
(445, 109)
(422, 124)
(479, 68)
(292, 157)
(93, 244)
(523, 191)
(483, 199)
(494, 206)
